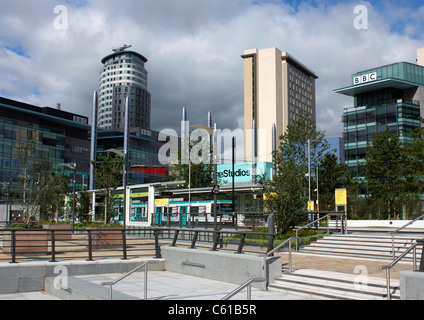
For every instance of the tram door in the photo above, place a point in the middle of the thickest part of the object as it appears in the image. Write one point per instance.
(183, 216)
(158, 215)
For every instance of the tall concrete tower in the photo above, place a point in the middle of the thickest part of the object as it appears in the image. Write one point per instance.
(123, 74)
(276, 88)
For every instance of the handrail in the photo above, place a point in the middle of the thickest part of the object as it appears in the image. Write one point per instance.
(401, 228)
(317, 220)
(112, 283)
(247, 284)
(395, 261)
(281, 245)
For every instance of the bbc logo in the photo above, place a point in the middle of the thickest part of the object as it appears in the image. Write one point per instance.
(365, 78)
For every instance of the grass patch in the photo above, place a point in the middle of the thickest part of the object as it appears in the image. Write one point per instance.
(306, 236)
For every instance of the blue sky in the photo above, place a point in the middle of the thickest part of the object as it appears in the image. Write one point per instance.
(194, 49)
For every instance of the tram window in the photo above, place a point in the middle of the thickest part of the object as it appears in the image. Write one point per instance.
(194, 210)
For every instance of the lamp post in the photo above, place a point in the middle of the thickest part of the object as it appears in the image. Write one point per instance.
(309, 165)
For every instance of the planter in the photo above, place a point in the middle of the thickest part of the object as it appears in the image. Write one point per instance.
(26, 241)
(62, 231)
(106, 237)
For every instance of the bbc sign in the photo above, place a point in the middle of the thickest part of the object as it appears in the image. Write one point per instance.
(365, 78)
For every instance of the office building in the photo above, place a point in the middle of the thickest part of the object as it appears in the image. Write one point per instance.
(123, 74)
(389, 96)
(143, 156)
(62, 138)
(276, 88)
(337, 148)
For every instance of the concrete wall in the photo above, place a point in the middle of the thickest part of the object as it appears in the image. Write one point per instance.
(30, 277)
(221, 266)
(411, 285)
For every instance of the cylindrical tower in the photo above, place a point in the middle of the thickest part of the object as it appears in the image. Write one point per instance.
(123, 74)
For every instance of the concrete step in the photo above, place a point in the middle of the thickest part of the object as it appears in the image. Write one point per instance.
(373, 246)
(79, 289)
(334, 285)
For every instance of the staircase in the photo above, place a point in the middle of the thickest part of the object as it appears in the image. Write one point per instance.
(364, 246)
(335, 285)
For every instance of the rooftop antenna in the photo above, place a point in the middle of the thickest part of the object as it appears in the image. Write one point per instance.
(123, 48)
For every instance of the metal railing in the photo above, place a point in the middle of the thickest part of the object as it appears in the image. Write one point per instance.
(112, 283)
(398, 230)
(248, 285)
(388, 267)
(282, 245)
(18, 245)
(271, 253)
(233, 220)
(327, 216)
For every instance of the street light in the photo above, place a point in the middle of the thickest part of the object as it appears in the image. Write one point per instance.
(309, 165)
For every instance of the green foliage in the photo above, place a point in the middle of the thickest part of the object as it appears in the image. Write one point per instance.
(96, 225)
(108, 172)
(23, 225)
(287, 194)
(393, 173)
(332, 176)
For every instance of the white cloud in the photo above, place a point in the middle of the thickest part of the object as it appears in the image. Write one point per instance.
(194, 51)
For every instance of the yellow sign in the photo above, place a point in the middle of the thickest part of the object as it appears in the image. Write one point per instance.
(270, 195)
(311, 205)
(134, 195)
(341, 197)
(161, 202)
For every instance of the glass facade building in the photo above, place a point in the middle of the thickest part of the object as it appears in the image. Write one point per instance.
(390, 97)
(143, 158)
(61, 138)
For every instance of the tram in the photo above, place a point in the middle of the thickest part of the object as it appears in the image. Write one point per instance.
(184, 213)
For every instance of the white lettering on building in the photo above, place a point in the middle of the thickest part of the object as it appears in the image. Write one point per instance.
(365, 78)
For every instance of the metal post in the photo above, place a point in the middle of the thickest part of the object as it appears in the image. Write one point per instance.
(290, 257)
(234, 174)
(241, 243)
(215, 178)
(388, 283)
(126, 155)
(90, 246)
(157, 247)
(145, 282)
(249, 292)
(13, 243)
(53, 247)
(124, 245)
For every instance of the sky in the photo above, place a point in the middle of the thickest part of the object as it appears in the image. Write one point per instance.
(51, 50)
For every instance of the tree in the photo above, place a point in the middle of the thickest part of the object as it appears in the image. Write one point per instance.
(332, 176)
(26, 153)
(53, 188)
(286, 195)
(108, 171)
(383, 173)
